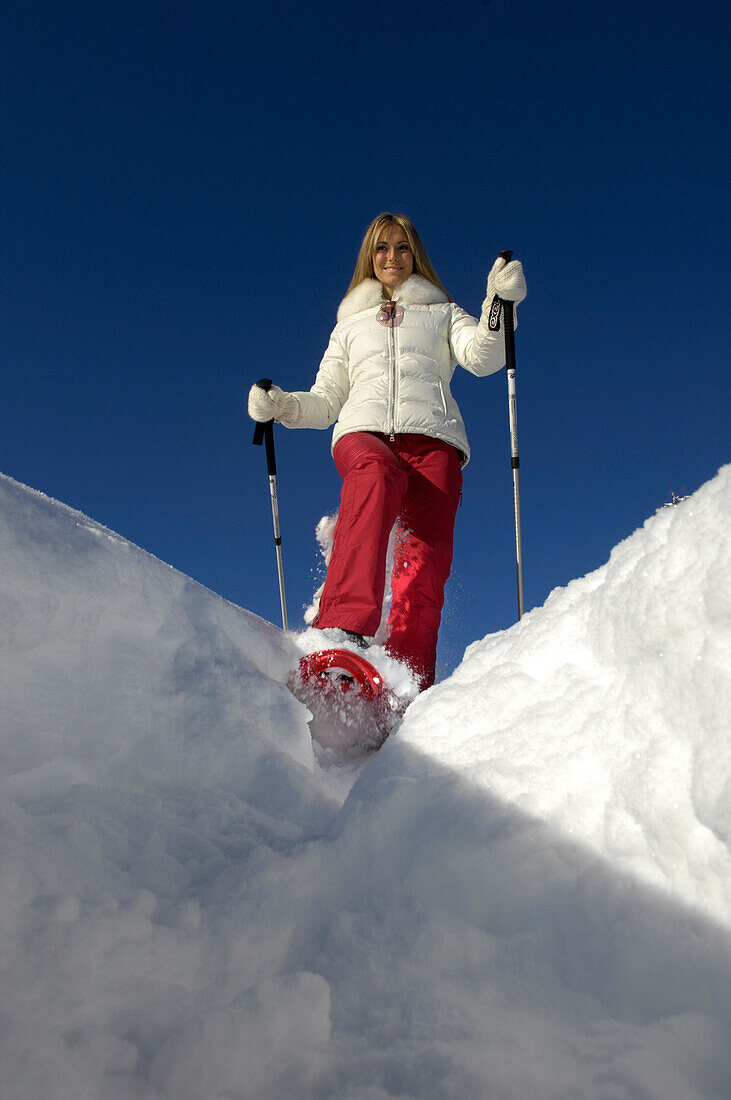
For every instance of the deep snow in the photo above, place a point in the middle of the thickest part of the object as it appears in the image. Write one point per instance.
(526, 894)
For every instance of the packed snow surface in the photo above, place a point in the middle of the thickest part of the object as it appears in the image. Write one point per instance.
(525, 895)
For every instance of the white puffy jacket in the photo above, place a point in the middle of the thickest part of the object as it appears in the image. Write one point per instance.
(393, 376)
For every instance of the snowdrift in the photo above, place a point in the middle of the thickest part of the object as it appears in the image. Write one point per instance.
(525, 895)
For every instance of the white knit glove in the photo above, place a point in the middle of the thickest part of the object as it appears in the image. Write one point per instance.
(273, 404)
(507, 281)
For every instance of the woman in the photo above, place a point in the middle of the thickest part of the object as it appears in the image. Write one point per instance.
(399, 441)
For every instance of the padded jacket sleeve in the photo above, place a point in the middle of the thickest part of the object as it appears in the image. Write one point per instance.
(473, 345)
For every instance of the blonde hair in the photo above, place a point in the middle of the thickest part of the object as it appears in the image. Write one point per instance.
(422, 264)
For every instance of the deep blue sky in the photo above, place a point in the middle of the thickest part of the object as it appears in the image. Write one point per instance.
(184, 189)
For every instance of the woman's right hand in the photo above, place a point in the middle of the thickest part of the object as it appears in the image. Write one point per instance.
(272, 404)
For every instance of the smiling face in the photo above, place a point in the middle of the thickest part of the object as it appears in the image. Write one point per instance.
(393, 260)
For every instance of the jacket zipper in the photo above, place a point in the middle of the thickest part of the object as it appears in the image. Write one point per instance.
(394, 387)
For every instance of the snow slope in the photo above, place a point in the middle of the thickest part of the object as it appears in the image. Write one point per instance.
(525, 895)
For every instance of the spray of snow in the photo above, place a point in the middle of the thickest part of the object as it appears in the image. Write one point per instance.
(325, 536)
(525, 893)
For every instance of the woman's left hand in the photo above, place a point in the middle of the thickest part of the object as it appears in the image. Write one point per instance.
(506, 279)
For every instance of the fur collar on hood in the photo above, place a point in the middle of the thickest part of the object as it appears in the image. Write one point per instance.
(414, 291)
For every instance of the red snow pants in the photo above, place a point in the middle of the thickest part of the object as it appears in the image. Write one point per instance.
(416, 481)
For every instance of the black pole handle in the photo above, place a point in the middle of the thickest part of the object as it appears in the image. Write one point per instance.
(264, 433)
(508, 320)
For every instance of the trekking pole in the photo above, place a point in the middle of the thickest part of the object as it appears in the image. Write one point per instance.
(513, 411)
(264, 433)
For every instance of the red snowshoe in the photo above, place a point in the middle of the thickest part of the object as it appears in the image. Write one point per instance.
(353, 711)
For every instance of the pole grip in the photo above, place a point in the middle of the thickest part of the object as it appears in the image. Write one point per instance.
(509, 321)
(497, 302)
(264, 433)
